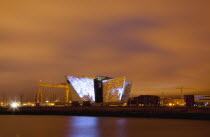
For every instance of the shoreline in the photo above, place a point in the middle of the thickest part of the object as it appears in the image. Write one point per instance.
(143, 112)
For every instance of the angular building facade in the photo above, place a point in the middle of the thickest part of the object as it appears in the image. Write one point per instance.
(99, 89)
(81, 89)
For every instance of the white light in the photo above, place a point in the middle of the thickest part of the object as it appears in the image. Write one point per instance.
(47, 101)
(14, 105)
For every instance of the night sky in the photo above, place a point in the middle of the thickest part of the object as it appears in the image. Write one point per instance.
(154, 43)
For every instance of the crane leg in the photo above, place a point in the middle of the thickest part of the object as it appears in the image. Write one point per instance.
(39, 96)
(67, 95)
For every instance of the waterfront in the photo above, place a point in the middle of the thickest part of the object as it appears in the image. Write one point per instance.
(155, 112)
(80, 126)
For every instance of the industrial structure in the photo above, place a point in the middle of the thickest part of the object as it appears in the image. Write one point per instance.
(40, 92)
(197, 100)
(99, 89)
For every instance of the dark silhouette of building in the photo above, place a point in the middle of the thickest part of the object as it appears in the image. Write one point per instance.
(145, 100)
(75, 104)
(86, 103)
(189, 99)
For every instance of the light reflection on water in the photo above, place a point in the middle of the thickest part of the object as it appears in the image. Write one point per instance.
(95, 127)
(73, 126)
(80, 126)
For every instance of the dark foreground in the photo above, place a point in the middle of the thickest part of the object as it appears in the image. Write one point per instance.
(154, 112)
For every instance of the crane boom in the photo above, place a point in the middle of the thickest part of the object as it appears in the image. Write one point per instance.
(54, 85)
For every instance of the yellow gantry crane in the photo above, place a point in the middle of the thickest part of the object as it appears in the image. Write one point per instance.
(66, 86)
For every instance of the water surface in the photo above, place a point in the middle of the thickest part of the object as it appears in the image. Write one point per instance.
(79, 126)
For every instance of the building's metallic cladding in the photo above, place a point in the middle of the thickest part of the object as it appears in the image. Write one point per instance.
(113, 89)
(126, 93)
(84, 87)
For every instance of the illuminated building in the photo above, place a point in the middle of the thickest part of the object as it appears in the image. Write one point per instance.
(179, 102)
(202, 100)
(99, 89)
(82, 88)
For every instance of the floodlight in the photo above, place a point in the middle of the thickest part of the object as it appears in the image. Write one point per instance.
(14, 105)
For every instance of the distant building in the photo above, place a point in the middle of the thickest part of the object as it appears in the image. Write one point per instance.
(179, 102)
(197, 100)
(145, 100)
(189, 99)
(202, 100)
(166, 101)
